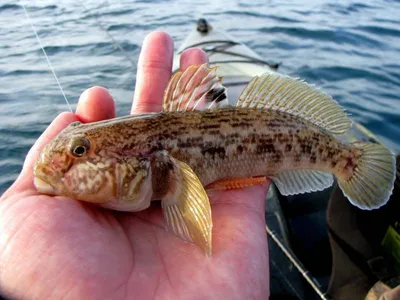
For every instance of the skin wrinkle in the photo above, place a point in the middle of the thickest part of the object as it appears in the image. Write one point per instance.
(64, 295)
(158, 286)
(18, 226)
(25, 220)
(160, 255)
(124, 284)
(56, 293)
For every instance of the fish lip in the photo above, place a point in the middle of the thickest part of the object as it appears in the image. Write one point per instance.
(43, 186)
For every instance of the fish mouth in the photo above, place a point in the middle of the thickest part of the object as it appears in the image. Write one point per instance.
(41, 182)
(43, 186)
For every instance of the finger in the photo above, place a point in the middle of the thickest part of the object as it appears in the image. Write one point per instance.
(95, 104)
(154, 72)
(24, 181)
(192, 56)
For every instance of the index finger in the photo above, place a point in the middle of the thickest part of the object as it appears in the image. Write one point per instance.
(154, 72)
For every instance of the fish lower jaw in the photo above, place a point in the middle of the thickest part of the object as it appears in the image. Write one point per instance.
(44, 187)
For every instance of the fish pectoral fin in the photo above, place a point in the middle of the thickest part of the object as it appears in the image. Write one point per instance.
(235, 183)
(186, 207)
(301, 181)
(293, 96)
(196, 88)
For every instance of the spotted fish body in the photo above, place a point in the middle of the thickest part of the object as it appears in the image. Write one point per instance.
(242, 142)
(278, 129)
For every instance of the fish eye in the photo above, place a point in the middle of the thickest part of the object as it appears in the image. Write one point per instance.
(79, 146)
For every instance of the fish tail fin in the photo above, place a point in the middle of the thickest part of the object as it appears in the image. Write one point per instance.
(372, 181)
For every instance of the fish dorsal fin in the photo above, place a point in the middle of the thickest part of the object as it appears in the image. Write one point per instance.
(301, 181)
(286, 94)
(196, 88)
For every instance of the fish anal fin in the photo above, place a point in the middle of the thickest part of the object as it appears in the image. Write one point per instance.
(196, 88)
(236, 183)
(186, 207)
(301, 181)
(296, 97)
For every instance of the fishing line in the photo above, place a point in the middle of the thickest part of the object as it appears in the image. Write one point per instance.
(45, 54)
(113, 40)
(297, 264)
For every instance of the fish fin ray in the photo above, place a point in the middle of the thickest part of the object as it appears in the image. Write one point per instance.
(294, 96)
(186, 207)
(372, 182)
(196, 88)
(301, 181)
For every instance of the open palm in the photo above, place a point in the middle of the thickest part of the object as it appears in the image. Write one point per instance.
(55, 247)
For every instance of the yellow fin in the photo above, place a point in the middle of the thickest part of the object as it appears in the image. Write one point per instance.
(185, 203)
(373, 177)
(197, 88)
(286, 94)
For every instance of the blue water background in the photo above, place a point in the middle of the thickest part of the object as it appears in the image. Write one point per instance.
(349, 48)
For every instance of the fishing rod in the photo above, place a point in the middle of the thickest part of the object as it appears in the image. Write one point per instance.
(305, 273)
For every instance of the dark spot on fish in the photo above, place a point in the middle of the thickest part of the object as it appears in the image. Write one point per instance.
(272, 124)
(241, 124)
(332, 153)
(350, 163)
(265, 148)
(214, 151)
(211, 126)
(333, 163)
(288, 147)
(277, 156)
(305, 148)
(156, 147)
(224, 120)
(239, 149)
(313, 158)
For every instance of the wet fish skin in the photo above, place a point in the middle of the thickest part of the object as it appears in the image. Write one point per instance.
(280, 128)
(242, 142)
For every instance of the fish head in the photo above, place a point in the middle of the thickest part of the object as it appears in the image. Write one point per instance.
(70, 165)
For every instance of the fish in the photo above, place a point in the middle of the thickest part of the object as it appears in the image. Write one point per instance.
(281, 128)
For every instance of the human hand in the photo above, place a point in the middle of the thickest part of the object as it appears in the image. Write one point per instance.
(56, 247)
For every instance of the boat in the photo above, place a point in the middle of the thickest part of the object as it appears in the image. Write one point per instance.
(321, 247)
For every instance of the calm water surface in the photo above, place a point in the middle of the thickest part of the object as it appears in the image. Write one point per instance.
(349, 48)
